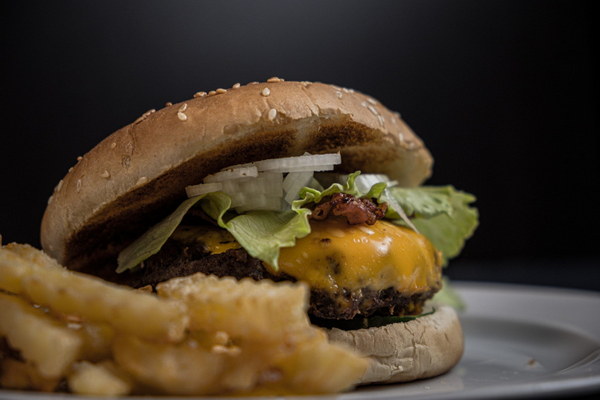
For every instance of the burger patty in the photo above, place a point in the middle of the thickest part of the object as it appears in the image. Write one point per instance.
(178, 259)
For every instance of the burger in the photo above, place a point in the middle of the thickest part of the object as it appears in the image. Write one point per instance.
(288, 181)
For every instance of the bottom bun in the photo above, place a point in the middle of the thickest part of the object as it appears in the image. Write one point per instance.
(401, 352)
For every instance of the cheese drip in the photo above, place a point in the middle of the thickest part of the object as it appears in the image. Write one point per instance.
(337, 255)
(214, 240)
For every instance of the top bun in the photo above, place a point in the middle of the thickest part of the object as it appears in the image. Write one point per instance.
(137, 175)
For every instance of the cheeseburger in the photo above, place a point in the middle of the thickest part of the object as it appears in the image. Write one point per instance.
(287, 181)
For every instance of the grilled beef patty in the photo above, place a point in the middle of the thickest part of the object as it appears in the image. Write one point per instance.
(181, 259)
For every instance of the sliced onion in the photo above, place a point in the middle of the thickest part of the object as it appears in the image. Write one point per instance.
(293, 182)
(394, 205)
(328, 178)
(312, 162)
(259, 202)
(315, 184)
(203, 188)
(311, 168)
(364, 182)
(265, 183)
(232, 173)
(261, 186)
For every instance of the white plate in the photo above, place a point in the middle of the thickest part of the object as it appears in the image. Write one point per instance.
(521, 341)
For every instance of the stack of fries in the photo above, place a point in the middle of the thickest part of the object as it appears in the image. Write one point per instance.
(198, 335)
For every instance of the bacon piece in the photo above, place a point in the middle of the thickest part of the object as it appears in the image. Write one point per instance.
(356, 210)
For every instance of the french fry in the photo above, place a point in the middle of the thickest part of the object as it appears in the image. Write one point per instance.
(103, 379)
(16, 374)
(32, 255)
(13, 269)
(37, 278)
(317, 366)
(97, 341)
(181, 369)
(261, 311)
(201, 336)
(52, 348)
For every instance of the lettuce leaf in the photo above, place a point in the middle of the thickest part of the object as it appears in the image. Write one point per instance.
(423, 202)
(448, 296)
(152, 241)
(261, 233)
(441, 214)
(309, 195)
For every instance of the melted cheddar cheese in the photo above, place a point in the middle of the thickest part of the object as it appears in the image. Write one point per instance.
(214, 240)
(337, 255)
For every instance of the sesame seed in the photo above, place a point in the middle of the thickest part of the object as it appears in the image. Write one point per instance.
(78, 186)
(144, 116)
(371, 100)
(381, 120)
(212, 92)
(113, 145)
(168, 104)
(372, 109)
(58, 186)
(339, 94)
(199, 94)
(79, 158)
(236, 85)
(272, 114)
(50, 199)
(274, 79)
(183, 107)
(266, 92)
(401, 136)
(364, 104)
(105, 174)
(70, 169)
(142, 180)
(181, 116)
(221, 91)
(305, 83)
(253, 83)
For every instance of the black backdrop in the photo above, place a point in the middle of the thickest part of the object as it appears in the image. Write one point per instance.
(503, 93)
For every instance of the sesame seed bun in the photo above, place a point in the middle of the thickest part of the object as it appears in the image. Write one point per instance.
(425, 347)
(137, 175)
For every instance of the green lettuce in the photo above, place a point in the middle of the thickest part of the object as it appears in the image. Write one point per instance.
(310, 195)
(442, 214)
(448, 296)
(261, 233)
(152, 241)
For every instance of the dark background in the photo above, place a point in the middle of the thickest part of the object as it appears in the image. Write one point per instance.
(502, 92)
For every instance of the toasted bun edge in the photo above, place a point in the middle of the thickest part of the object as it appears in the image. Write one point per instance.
(135, 176)
(423, 348)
